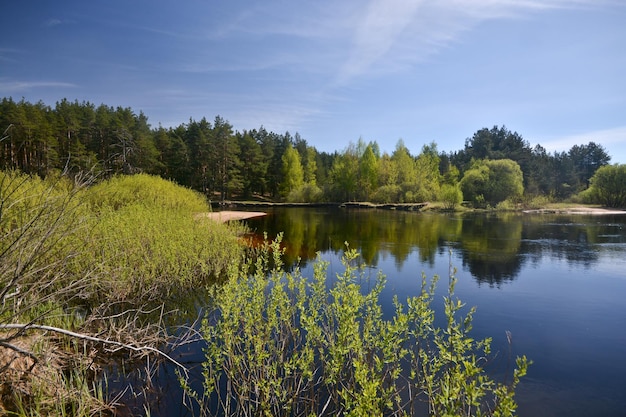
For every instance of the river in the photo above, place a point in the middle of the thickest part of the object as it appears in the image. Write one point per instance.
(557, 283)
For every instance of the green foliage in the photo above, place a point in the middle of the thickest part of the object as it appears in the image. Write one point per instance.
(146, 253)
(368, 172)
(344, 176)
(38, 219)
(608, 186)
(89, 260)
(387, 194)
(147, 190)
(136, 237)
(451, 196)
(490, 182)
(212, 158)
(293, 173)
(283, 345)
(150, 238)
(307, 193)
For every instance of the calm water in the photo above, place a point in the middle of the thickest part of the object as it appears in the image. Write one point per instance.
(557, 283)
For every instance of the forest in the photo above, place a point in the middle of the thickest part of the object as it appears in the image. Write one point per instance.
(495, 164)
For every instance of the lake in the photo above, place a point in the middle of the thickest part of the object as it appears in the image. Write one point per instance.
(556, 282)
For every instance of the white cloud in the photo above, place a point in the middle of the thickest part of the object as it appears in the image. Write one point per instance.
(18, 86)
(53, 22)
(604, 137)
(393, 35)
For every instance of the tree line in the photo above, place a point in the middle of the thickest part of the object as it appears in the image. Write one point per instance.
(223, 163)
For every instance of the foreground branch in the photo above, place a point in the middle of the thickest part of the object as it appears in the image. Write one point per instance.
(81, 336)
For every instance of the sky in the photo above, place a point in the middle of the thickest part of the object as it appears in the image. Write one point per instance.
(334, 71)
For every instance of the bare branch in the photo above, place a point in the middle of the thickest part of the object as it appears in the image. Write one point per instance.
(81, 336)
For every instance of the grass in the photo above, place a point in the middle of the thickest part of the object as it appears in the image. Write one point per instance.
(93, 260)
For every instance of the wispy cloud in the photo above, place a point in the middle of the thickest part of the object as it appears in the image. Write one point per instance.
(605, 137)
(380, 27)
(395, 34)
(53, 22)
(19, 86)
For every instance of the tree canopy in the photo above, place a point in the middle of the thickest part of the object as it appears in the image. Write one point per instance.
(223, 163)
(608, 186)
(492, 181)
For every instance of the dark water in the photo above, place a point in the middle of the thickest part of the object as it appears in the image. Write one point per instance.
(556, 282)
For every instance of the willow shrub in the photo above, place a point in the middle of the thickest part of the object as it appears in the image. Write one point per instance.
(142, 251)
(280, 344)
(147, 190)
(149, 241)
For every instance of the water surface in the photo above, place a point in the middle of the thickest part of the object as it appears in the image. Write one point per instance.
(556, 282)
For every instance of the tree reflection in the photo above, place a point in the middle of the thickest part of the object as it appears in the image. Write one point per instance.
(493, 247)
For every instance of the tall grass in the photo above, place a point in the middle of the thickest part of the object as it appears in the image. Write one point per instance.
(91, 259)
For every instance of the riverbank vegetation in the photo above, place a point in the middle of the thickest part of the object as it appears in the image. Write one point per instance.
(282, 344)
(222, 163)
(89, 274)
(101, 239)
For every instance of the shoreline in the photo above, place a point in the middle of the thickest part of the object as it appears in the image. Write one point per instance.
(229, 209)
(226, 216)
(592, 211)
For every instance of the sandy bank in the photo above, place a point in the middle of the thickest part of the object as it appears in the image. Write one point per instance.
(225, 216)
(592, 211)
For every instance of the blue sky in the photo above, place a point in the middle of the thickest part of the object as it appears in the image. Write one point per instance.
(335, 71)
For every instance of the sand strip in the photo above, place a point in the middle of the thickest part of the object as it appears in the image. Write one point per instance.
(225, 216)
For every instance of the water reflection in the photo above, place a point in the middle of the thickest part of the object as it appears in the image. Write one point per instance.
(493, 247)
(556, 282)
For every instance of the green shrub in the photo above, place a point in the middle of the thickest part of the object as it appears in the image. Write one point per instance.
(451, 196)
(148, 190)
(73, 260)
(536, 202)
(608, 186)
(307, 193)
(506, 205)
(387, 194)
(280, 344)
(148, 241)
(150, 251)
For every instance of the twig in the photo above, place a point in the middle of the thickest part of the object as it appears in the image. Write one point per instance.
(23, 327)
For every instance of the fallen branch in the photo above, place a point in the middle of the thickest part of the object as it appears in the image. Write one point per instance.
(81, 336)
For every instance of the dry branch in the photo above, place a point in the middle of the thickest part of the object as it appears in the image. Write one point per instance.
(81, 336)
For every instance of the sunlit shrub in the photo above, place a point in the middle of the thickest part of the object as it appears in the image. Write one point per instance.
(506, 205)
(387, 194)
(537, 202)
(451, 196)
(148, 190)
(283, 345)
(308, 193)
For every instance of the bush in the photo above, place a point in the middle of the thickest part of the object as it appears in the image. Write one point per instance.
(148, 240)
(608, 186)
(451, 196)
(536, 202)
(489, 182)
(308, 193)
(148, 190)
(280, 344)
(387, 194)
